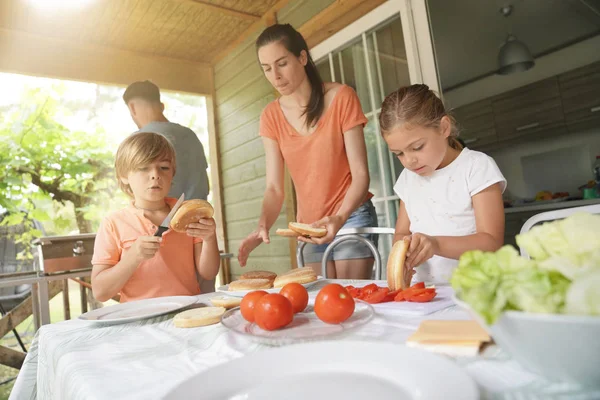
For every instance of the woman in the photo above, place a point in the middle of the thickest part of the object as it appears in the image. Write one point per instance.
(316, 129)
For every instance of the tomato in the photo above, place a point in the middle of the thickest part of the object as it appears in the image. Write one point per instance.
(423, 297)
(420, 285)
(390, 296)
(354, 292)
(334, 304)
(297, 295)
(249, 302)
(368, 289)
(377, 296)
(273, 311)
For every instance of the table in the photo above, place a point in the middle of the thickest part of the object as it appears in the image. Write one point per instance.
(146, 359)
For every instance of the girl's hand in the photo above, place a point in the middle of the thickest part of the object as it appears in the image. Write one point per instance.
(144, 248)
(332, 223)
(205, 229)
(251, 242)
(421, 249)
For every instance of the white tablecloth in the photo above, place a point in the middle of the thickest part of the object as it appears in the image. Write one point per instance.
(146, 359)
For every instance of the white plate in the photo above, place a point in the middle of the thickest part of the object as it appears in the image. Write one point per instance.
(305, 327)
(242, 293)
(140, 309)
(332, 370)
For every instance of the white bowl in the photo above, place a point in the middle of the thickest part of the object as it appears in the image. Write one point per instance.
(557, 346)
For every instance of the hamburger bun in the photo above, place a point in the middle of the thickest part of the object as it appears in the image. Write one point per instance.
(286, 232)
(398, 277)
(250, 284)
(259, 275)
(198, 317)
(191, 211)
(307, 230)
(226, 301)
(298, 275)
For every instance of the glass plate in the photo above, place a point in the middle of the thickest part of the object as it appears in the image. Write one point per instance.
(305, 327)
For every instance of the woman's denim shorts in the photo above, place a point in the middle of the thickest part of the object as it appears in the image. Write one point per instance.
(364, 216)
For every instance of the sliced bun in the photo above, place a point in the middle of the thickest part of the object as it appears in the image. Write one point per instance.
(250, 284)
(298, 275)
(286, 232)
(259, 275)
(398, 277)
(198, 317)
(191, 211)
(307, 230)
(225, 301)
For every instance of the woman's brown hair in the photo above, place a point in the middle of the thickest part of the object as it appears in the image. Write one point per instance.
(416, 105)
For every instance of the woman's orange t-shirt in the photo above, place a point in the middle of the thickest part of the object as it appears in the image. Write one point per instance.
(318, 163)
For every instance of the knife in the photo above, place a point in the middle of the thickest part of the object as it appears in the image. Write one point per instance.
(164, 226)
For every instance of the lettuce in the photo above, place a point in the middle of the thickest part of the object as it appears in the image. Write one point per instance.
(562, 276)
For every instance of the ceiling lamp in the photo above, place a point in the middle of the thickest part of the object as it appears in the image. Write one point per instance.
(514, 56)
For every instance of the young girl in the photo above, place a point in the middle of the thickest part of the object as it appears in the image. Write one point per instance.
(450, 196)
(127, 257)
(316, 129)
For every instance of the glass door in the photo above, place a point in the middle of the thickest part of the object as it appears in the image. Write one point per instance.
(374, 63)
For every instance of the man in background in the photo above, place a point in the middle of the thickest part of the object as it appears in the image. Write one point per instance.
(147, 111)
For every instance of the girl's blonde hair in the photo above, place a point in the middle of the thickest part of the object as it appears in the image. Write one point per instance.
(416, 105)
(140, 149)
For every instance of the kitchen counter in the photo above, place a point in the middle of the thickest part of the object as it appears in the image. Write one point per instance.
(547, 206)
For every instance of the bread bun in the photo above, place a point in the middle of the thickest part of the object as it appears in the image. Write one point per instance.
(307, 230)
(198, 317)
(398, 277)
(189, 212)
(250, 284)
(259, 275)
(225, 301)
(286, 233)
(298, 275)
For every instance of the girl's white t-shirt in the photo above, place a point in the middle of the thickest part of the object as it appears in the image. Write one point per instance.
(441, 204)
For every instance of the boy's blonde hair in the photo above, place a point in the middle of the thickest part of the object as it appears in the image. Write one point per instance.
(416, 105)
(139, 149)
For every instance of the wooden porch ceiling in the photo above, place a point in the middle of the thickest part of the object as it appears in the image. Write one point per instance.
(190, 30)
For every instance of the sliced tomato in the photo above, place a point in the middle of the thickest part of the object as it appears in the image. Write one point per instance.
(391, 295)
(377, 296)
(400, 296)
(370, 288)
(423, 297)
(354, 292)
(420, 285)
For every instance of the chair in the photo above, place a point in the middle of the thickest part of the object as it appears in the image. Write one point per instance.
(554, 215)
(345, 235)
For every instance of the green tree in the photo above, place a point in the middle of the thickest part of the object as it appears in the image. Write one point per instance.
(47, 168)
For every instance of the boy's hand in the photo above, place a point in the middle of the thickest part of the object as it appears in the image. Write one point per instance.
(145, 247)
(421, 249)
(204, 229)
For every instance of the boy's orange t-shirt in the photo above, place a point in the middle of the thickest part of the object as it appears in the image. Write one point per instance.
(171, 272)
(318, 163)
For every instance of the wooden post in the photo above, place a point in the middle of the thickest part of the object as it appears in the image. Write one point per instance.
(66, 305)
(83, 298)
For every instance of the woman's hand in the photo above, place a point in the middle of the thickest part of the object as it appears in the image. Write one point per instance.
(205, 229)
(421, 249)
(251, 242)
(332, 223)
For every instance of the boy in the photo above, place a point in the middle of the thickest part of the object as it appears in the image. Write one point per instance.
(127, 258)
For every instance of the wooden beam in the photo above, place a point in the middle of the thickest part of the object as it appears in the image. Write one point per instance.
(225, 10)
(11, 358)
(31, 54)
(21, 312)
(335, 17)
(217, 185)
(260, 24)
